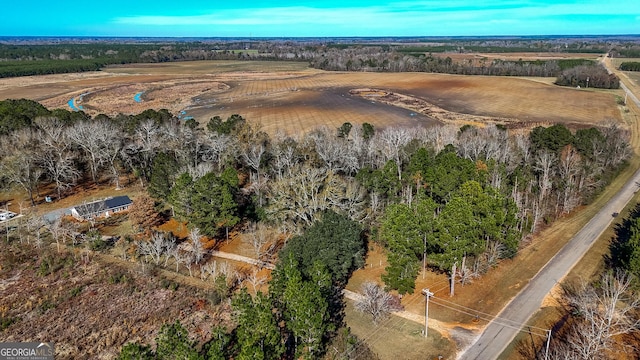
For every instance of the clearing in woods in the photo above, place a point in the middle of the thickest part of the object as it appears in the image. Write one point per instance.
(290, 97)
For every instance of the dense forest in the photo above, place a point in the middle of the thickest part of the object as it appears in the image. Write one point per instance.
(357, 171)
(455, 200)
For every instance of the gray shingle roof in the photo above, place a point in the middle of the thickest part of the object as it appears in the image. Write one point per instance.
(100, 206)
(117, 202)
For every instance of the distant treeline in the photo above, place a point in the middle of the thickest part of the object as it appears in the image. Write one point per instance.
(630, 66)
(627, 51)
(379, 60)
(20, 60)
(326, 54)
(44, 67)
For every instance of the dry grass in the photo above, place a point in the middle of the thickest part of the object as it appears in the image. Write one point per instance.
(91, 308)
(290, 97)
(634, 76)
(397, 338)
(617, 61)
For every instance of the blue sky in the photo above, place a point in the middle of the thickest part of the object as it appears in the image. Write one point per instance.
(314, 18)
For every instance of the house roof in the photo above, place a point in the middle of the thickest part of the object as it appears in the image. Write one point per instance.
(117, 201)
(100, 206)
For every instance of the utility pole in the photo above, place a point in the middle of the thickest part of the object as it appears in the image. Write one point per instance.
(6, 221)
(427, 295)
(546, 353)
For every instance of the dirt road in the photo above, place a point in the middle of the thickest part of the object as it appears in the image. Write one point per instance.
(243, 259)
(496, 336)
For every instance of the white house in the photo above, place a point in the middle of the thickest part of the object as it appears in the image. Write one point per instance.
(104, 207)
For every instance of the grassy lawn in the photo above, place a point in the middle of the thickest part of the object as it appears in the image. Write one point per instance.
(397, 338)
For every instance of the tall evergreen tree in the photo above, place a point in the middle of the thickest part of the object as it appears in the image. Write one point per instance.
(335, 241)
(218, 348)
(173, 343)
(409, 232)
(181, 196)
(258, 333)
(163, 174)
(214, 204)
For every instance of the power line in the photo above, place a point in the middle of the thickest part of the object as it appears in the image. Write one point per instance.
(488, 319)
(388, 324)
(490, 315)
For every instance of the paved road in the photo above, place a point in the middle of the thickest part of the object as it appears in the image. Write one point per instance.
(496, 337)
(606, 61)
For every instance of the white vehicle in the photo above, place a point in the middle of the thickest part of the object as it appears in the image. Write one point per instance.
(6, 216)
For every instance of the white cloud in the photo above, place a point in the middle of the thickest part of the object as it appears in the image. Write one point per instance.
(427, 17)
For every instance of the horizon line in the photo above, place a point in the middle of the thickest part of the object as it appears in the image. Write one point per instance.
(316, 37)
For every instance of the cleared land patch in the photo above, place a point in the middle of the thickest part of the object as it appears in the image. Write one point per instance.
(290, 97)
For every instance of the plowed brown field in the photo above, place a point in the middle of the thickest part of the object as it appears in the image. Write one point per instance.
(292, 98)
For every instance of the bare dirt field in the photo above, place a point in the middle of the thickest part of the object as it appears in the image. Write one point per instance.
(293, 98)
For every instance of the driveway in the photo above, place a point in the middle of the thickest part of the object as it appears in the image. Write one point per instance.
(52, 216)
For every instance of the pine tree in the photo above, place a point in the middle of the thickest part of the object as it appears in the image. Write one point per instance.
(173, 343)
(335, 241)
(163, 174)
(257, 332)
(136, 351)
(181, 196)
(218, 346)
(214, 205)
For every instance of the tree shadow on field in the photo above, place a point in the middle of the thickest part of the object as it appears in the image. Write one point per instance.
(619, 247)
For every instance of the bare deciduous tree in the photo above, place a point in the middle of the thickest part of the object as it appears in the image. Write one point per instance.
(601, 314)
(569, 168)
(392, 143)
(256, 279)
(252, 155)
(334, 151)
(197, 249)
(21, 166)
(57, 158)
(154, 248)
(209, 269)
(299, 198)
(375, 301)
(101, 142)
(263, 241)
(284, 157)
(218, 148)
